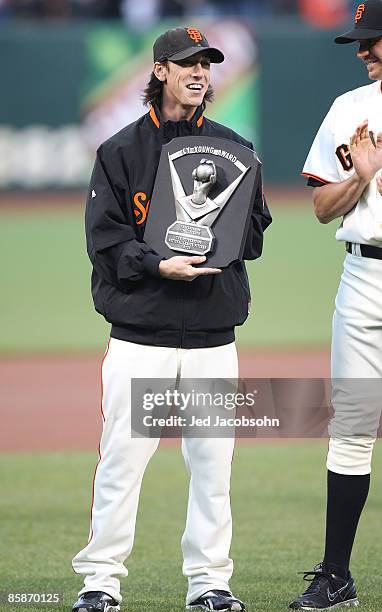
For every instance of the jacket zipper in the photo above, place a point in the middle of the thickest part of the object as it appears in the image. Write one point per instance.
(183, 317)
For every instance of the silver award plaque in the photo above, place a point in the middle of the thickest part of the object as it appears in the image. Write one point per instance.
(202, 199)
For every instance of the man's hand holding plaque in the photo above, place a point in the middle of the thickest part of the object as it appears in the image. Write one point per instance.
(181, 267)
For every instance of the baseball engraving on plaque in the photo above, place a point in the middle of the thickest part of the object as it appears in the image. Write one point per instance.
(195, 213)
(202, 199)
(188, 233)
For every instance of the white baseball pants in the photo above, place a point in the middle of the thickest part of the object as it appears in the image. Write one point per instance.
(356, 354)
(123, 459)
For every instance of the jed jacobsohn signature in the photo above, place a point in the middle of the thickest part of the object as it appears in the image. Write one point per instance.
(208, 421)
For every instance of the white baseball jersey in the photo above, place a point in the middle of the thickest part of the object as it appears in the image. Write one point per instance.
(329, 160)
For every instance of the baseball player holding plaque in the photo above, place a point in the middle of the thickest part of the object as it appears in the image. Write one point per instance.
(344, 167)
(163, 325)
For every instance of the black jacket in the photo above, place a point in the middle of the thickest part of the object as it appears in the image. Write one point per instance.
(127, 289)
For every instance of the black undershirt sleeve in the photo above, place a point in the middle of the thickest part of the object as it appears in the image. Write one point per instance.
(312, 182)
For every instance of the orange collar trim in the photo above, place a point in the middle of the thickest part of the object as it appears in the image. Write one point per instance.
(156, 121)
(154, 117)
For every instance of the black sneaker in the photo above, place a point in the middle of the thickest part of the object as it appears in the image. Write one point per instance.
(217, 600)
(96, 601)
(326, 590)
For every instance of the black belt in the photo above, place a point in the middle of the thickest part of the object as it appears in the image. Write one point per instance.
(366, 250)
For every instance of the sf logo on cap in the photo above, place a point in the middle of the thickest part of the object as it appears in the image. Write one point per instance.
(194, 34)
(359, 12)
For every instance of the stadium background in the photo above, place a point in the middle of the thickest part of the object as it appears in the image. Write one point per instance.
(71, 76)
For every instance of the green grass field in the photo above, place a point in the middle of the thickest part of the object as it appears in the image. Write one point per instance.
(47, 306)
(278, 499)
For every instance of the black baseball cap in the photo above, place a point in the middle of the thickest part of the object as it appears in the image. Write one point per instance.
(180, 43)
(368, 23)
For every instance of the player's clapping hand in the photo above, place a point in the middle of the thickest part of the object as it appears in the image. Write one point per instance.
(366, 154)
(181, 267)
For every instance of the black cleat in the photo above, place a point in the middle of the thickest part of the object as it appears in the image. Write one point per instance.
(326, 591)
(217, 600)
(96, 601)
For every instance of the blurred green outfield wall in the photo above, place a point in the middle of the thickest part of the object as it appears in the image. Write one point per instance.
(68, 88)
(57, 79)
(42, 69)
(302, 71)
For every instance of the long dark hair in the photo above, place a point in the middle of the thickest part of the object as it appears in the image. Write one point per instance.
(152, 94)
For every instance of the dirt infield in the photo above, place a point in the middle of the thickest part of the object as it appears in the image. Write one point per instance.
(53, 403)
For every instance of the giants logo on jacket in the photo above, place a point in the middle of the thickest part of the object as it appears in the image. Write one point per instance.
(141, 207)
